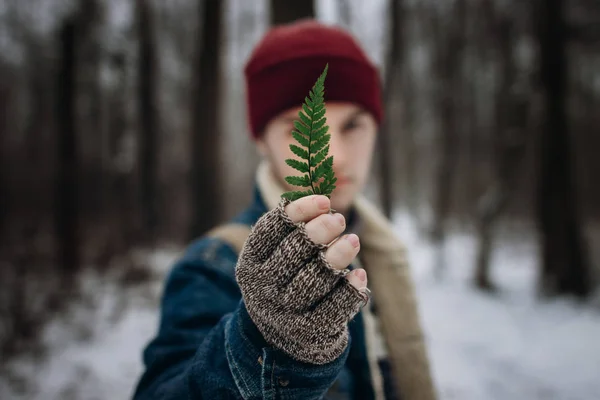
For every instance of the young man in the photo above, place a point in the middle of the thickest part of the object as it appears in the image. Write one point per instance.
(279, 317)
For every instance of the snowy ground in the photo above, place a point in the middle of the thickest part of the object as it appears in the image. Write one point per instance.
(95, 350)
(503, 346)
(510, 345)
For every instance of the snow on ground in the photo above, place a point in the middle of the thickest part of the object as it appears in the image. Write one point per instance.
(94, 350)
(508, 346)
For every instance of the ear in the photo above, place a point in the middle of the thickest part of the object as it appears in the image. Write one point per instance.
(261, 146)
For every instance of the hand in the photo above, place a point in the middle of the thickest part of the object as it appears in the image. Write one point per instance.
(294, 286)
(323, 228)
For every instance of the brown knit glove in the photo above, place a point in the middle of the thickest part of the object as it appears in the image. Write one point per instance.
(299, 303)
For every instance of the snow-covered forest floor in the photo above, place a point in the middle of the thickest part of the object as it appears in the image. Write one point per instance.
(508, 345)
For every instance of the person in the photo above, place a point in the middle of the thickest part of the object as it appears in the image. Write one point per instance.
(282, 314)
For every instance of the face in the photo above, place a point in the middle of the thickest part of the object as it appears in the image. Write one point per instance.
(353, 132)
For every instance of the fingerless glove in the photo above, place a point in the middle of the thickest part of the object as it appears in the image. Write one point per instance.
(299, 303)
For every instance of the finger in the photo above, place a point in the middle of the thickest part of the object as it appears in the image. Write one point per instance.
(308, 208)
(341, 253)
(266, 235)
(343, 302)
(294, 251)
(325, 228)
(312, 283)
(358, 278)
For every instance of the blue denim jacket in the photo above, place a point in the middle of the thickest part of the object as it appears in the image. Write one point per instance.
(207, 347)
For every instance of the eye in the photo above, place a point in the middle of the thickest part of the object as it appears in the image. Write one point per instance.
(353, 125)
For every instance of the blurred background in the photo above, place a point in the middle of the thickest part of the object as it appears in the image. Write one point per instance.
(123, 135)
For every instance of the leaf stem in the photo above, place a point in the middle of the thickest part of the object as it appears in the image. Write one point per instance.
(309, 150)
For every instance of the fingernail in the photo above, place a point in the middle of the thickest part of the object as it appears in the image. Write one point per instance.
(353, 239)
(340, 219)
(322, 202)
(361, 274)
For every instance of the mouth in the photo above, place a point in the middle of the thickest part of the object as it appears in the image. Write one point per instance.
(342, 180)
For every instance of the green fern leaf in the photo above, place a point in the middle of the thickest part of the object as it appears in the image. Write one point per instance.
(318, 125)
(319, 114)
(299, 151)
(321, 143)
(303, 129)
(306, 110)
(298, 165)
(309, 102)
(305, 120)
(319, 157)
(301, 139)
(311, 133)
(302, 181)
(319, 133)
(296, 195)
(322, 169)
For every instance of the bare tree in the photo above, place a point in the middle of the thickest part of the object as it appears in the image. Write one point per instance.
(345, 13)
(121, 197)
(393, 72)
(408, 150)
(205, 134)
(510, 134)
(5, 128)
(449, 46)
(148, 119)
(284, 11)
(66, 201)
(565, 265)
(584, 26)
(90, 108)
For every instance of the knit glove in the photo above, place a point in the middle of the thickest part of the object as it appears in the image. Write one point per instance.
(299, 302)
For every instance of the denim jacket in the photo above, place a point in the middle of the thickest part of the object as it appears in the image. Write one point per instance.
(207, 347)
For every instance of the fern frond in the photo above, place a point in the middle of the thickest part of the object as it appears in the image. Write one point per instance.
(311, 133)
(301, 139)
(300, 152)
(303, 129)
(305, 120)
(322, 169)
(320, 132)
(319, 157)
(320, 143)
(302, 181)
(296, 195)
(298, 165)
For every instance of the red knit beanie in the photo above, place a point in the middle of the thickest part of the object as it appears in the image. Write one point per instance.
(287, 62)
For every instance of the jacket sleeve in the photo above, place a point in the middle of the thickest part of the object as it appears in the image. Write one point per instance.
(207, 347)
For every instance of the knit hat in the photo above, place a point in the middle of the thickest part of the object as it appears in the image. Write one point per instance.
(287, 62)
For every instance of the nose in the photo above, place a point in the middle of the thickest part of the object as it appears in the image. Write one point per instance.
(337, 150)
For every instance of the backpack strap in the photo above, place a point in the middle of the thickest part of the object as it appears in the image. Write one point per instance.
(234, 234)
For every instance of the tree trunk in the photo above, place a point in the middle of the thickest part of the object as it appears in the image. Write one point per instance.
(205, 134)
(449, 42)
(493, 202)
(565, 268)
(148, 121)
(344, 13)
(120, 194)
(409, 151)
(37, 89)
(392, 73)
(66, 200)
(285, 11)
(5, 128)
